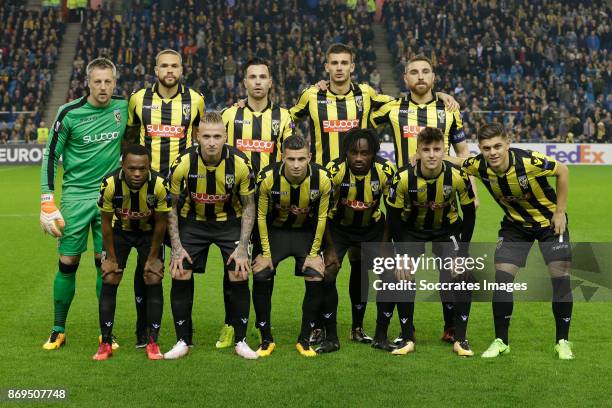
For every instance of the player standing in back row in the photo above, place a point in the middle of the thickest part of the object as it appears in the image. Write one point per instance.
(87, 134)
(162, 117)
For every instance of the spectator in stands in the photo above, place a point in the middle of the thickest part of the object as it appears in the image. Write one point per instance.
(42, 133)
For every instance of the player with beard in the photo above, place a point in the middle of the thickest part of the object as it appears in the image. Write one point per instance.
(162, 117)
(257, 129)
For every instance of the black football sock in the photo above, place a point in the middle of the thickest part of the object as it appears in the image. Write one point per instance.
(384, 312)
(262, 303)
(562, 305)
(503, 304)
(358, 307)
(240, 305)
(448, 303)
(189, 323)
(405, 312)
(140, 298)
(311, 306)
(106, 308)
(329, 310)
(227, 297)
(180, 299)
(463, 303)
(155, 307)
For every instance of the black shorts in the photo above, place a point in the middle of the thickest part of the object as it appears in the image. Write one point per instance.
(286, 242)
(124, 241)
(348, 237)
(446, 242)
(515, 241)
(197, 237)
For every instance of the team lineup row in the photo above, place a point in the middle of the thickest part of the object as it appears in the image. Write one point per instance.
(302, 198)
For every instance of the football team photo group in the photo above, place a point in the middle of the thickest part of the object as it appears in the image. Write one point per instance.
(379, 202)
(243, 180)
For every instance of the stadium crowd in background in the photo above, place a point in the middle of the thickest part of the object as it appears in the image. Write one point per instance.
(29, 45)
(216, 39)
(543, 69)
(546, 62)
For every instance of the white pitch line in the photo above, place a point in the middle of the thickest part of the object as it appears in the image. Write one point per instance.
(18, 215)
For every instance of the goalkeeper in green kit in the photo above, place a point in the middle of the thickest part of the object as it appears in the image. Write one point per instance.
(87, 135)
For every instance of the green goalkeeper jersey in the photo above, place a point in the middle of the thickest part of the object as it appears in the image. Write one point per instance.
(89, 141)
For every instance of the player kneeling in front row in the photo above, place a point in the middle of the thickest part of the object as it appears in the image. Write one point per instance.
(516, 179)
(218, 208)
(134, 203)
(422, 207)
(292, 214)
(360, 181)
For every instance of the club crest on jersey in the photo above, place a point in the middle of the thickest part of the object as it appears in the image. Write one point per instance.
(447, 190)
(314, 194)
(117, 113)
(375, 186)
(359, 102)
(276, 127)
(186, 110)
(229, 180)
(151, 200)
(523, 181)
(441, 116)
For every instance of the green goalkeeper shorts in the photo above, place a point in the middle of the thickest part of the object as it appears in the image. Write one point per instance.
(79, 216)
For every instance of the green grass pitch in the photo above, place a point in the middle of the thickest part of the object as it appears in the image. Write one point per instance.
(355, 376)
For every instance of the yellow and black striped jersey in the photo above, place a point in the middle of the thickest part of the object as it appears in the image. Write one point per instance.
(407, 118)
(211, 192)
(332, 115)
(522, 191)
(286, 205)
(258, 135)
(356, 199)
(430, 204)
(134, 208)
(166, 125)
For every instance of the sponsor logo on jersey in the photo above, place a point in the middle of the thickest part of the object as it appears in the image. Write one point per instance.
(514, 199)
(336, 125)
(132, 215)
(294, 209)
(410, 131)
(432, 205)
(326, 102)
(242, 122)
(274, 192)
(150, 107)
(101, 138)
(203, 198)
(171, 131)
(88, 119)
(358, 205)
(255, 145)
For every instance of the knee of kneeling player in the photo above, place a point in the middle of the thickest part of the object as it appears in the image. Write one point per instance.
(151, 278)
(112, 278)
(331, 272)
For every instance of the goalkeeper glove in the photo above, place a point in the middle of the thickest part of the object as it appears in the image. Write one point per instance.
(51, 220)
